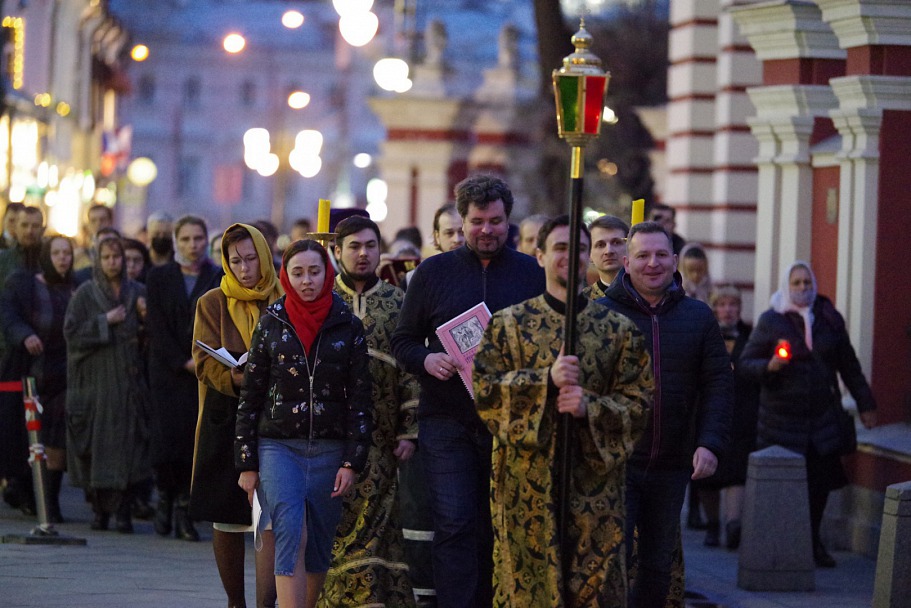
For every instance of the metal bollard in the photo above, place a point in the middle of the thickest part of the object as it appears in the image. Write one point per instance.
(36, 456)
(44, 533)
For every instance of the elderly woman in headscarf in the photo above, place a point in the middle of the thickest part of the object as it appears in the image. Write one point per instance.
(107, 413)
(226, 318)
(799, 385)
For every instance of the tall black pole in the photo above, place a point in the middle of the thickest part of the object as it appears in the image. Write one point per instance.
(565, 424)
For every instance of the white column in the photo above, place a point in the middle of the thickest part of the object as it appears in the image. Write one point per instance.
(862, 100)
(783, 125)
(768, 213)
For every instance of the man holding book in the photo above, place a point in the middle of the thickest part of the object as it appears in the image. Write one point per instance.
(455, 443)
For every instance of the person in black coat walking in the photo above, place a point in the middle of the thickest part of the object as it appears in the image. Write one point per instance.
(800, 395)
(173, 290)
(32, 309)
(691, 412)
(304, 421)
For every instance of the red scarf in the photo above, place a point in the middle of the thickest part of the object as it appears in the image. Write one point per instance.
(308, 317)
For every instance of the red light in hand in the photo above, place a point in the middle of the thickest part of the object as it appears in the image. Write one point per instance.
(783, 350)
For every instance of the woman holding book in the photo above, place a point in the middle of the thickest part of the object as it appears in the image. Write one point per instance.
(304, 420)
(226, 318)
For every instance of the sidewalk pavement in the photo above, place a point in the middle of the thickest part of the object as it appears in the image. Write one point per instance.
(143, 570)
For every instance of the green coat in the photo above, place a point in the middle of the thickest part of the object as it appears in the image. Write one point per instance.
(106, 402)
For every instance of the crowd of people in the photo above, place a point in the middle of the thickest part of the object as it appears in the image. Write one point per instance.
(299, 390)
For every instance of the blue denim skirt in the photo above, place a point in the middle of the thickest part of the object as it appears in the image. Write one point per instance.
(296, 477)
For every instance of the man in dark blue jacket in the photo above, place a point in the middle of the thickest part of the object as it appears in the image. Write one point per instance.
(455, 444)
(691, 412)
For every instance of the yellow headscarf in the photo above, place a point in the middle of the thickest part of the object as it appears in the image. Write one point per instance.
(243, 303)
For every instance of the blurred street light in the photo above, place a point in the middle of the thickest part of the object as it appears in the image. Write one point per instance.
(347, 7)
(298, 100)
(142, 171)
(391, 74)
(358, 29)
(234, 43)
(362, 160)
(292, 19)
(140, 52)
(377, 191)
(609, 116)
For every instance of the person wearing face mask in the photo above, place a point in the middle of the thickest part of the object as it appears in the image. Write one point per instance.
(304, 421)
(800, 392)
(159, 231)
(32, 308)
(107, 428)
(226, 317)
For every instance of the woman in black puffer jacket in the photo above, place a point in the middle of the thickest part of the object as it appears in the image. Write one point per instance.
(304, 419)
(799, 396)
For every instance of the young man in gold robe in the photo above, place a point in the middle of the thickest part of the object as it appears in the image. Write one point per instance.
(368, 562)
(522, 383)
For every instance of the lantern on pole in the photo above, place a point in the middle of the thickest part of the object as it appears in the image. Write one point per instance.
(579, 88)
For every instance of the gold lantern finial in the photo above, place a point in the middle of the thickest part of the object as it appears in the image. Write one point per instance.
(582, 61)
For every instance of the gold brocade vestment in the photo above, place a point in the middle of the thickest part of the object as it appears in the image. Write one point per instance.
(368, 563)
(511, 384)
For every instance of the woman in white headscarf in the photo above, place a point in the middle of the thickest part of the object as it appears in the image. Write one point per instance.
(800, 391)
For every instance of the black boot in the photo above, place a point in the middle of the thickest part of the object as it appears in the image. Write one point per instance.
(163, 513)
(54, 481)
(183, 525)
(732, 529)
(142, 494)
(712, 534)
(102, 517)
(821, 556)
(124, 515)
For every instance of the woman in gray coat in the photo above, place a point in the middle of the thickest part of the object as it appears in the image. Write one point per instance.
(107, 428)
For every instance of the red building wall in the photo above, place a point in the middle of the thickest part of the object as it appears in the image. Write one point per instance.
(824, 244)
(891, 379)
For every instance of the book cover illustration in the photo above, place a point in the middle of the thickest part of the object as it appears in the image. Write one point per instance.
(461, 336)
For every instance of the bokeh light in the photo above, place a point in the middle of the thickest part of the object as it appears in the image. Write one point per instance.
(234, 43)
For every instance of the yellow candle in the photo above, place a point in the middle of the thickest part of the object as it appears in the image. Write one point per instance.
(322, 218)
(638, 211)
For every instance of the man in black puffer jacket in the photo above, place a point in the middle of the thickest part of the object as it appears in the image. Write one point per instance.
(455, 443)
(691, 415)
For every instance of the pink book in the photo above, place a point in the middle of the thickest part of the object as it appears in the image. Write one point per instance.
(460, 337)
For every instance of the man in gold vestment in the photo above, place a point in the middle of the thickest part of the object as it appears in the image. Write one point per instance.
(522, 382)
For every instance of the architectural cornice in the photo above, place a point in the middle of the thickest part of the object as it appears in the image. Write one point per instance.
(868, 22)
(787, 29)
(792, 100)
(883, 92)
